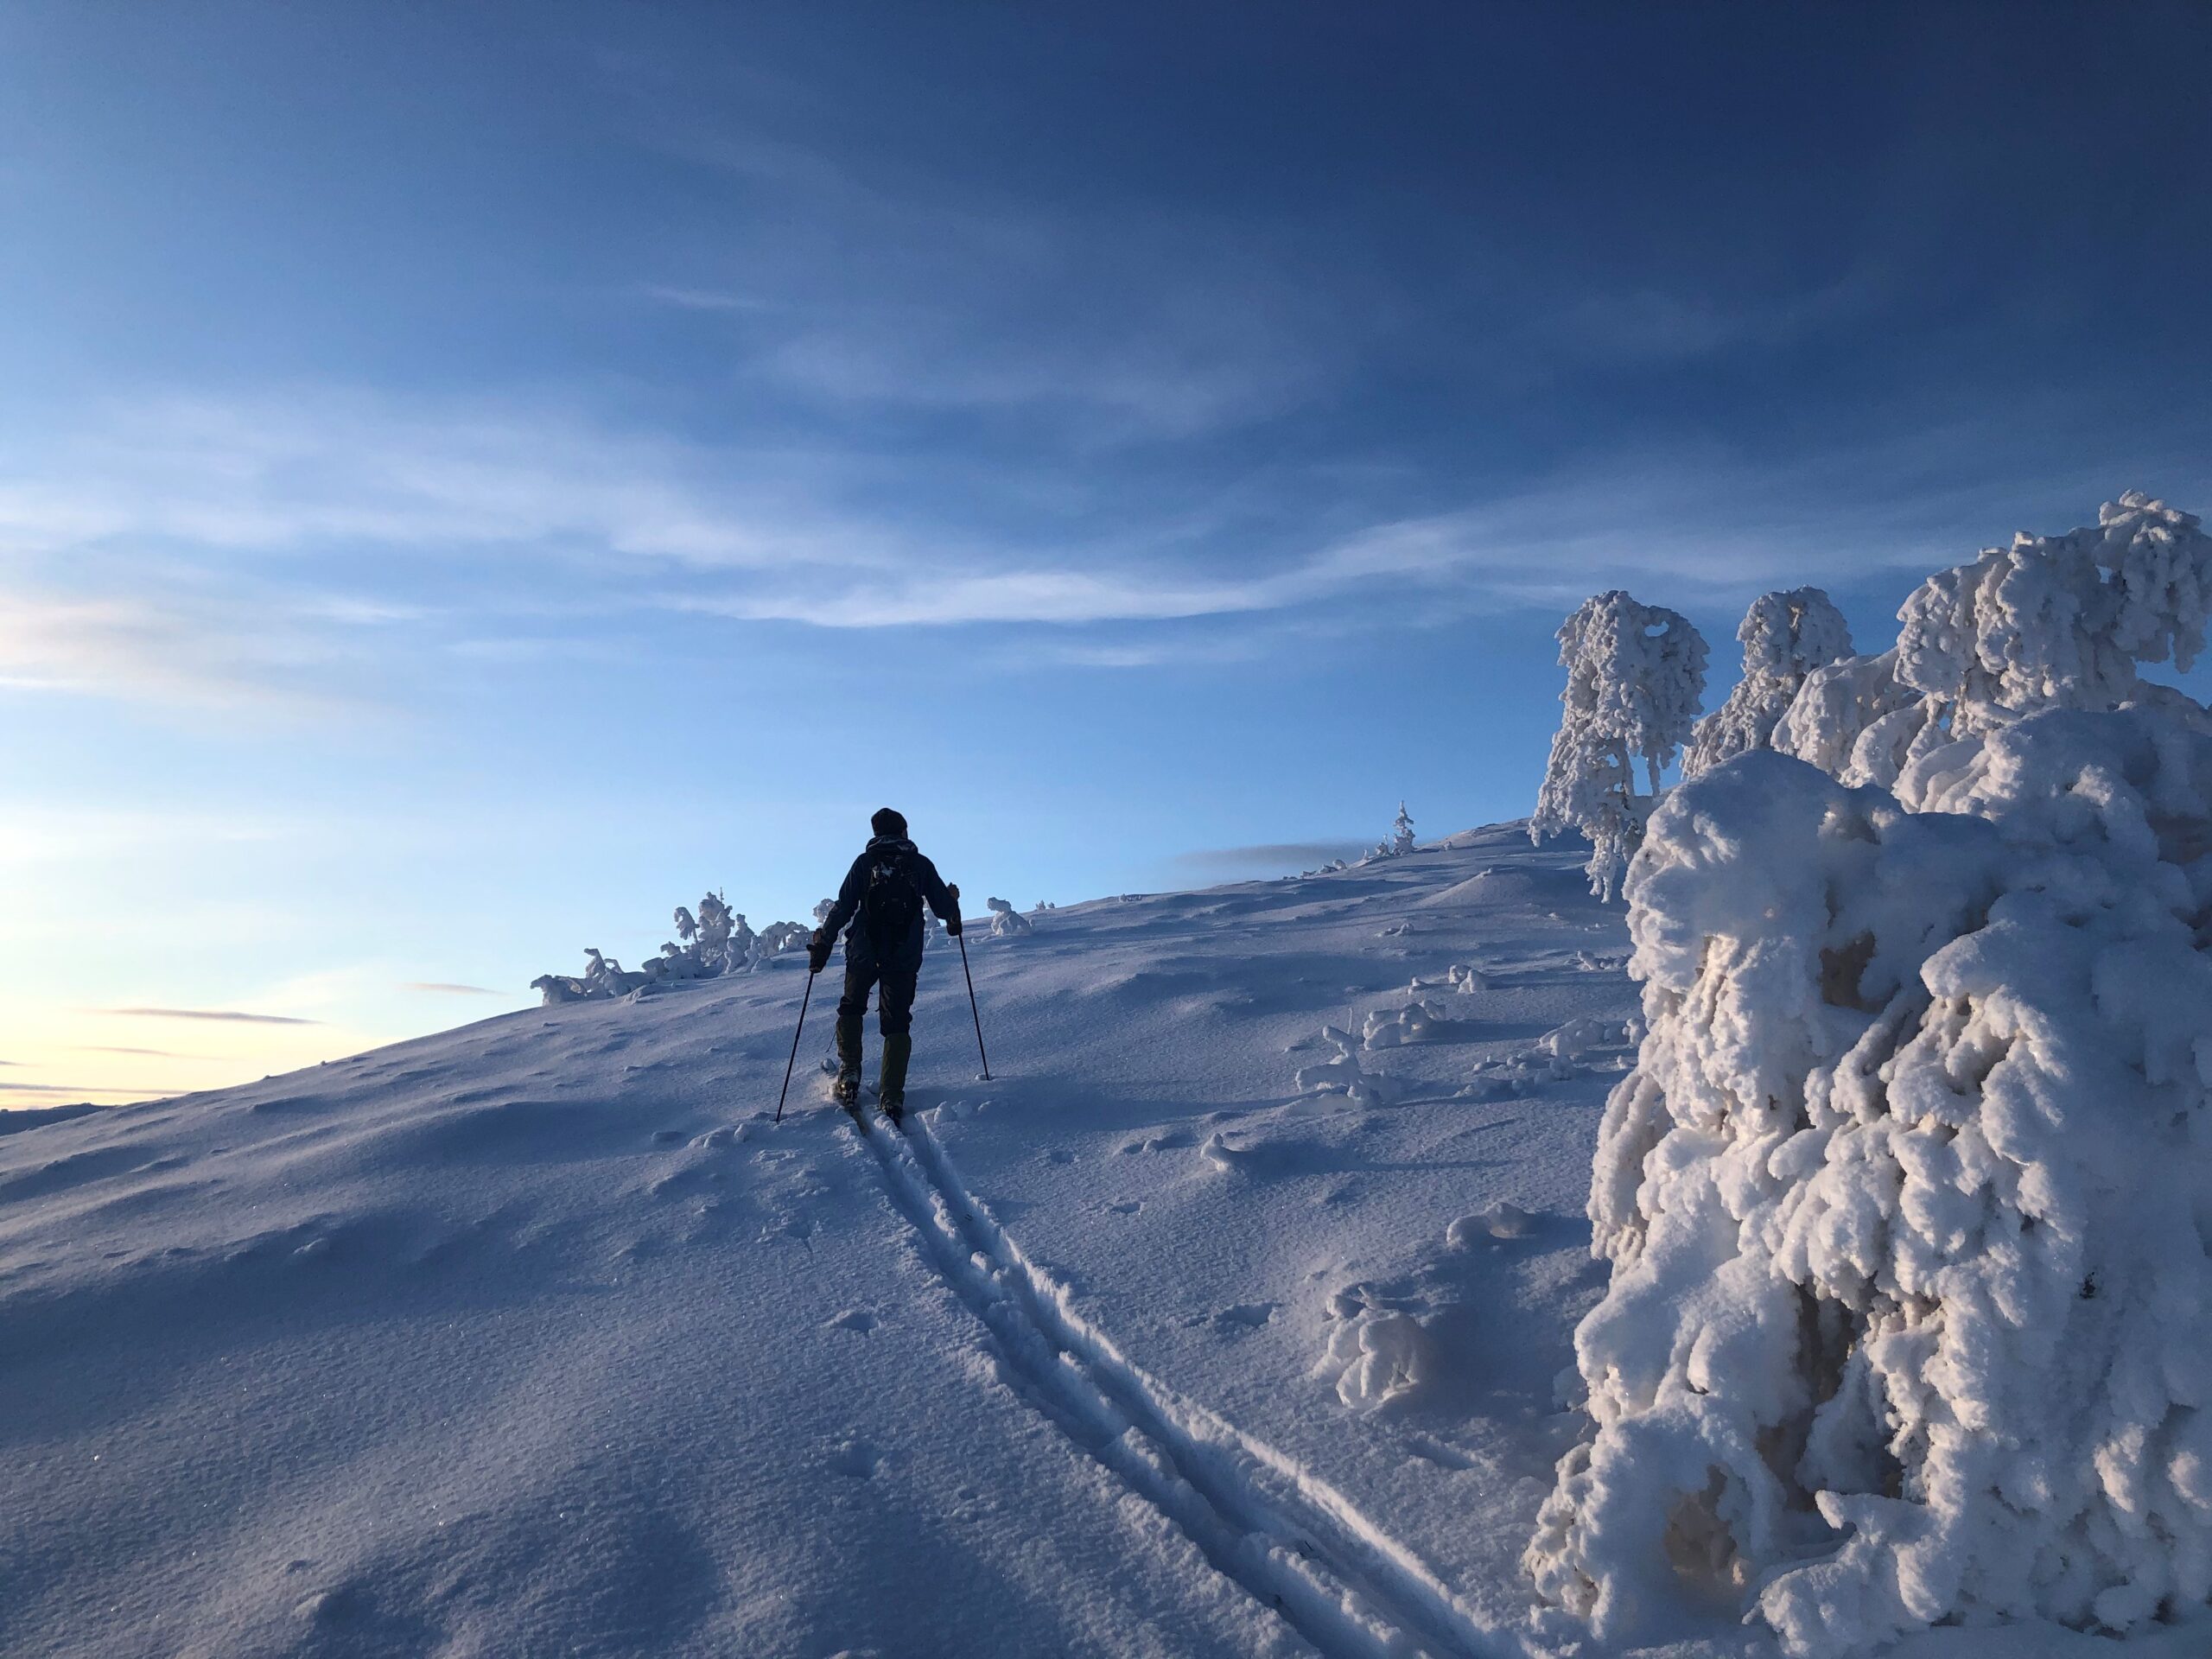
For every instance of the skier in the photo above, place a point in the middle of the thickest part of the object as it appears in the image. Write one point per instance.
(882, 899)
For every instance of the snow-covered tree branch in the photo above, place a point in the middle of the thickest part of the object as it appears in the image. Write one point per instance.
(1785, 636)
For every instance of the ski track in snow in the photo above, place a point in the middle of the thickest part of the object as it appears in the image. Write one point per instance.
(1292, 1540)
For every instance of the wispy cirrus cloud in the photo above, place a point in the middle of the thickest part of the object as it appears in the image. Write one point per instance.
(305, 468)
(300, 555)
(1115, 327)
(442, 988)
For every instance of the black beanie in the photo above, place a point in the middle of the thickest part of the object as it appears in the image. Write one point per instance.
(888, 823)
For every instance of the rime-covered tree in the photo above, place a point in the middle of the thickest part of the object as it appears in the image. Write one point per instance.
(1837, 706)
(1785, 636)
(2049, 622)
(2060, 621)
(1402, 832)
(1906, 1199)
(1635, 676)
(1401, 838)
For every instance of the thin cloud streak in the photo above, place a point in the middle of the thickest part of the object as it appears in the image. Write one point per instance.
(444, 989)
(84, 1089)
(221, 1015)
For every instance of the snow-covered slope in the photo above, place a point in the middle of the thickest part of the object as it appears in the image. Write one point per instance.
(538, 1336)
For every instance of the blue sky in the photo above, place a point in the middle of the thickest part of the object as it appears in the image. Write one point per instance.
(473, 478)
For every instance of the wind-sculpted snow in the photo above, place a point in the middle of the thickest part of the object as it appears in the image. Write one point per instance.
(541, 1335)
(1906, 1201)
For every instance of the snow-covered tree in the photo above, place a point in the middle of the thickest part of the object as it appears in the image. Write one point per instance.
(1911, 1313)
(1005, 919)
(714, 941)
(2060, 621)
(1837, 706)
(2049, 622)
(1785, 636)
(778, 936)
(1401, 838)
(1635, 677)
(726, 942)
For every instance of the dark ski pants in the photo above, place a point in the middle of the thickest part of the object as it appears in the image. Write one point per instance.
(894, 1002)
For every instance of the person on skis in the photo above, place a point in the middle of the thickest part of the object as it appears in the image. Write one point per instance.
(882, 900)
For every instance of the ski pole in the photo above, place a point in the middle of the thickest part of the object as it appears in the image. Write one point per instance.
(962, 937)
(793, 1061)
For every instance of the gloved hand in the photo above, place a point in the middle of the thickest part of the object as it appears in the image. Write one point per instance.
(818, 950)
(952, 922)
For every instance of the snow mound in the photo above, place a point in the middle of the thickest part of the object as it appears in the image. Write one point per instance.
(1907, 1197)
(1509, 884)
(1421, 1021)
(1344, 1076)
(1501, 1220)
(1376, 1352)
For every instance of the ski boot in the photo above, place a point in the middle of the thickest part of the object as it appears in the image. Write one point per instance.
(891, 1082)
(847, 1089)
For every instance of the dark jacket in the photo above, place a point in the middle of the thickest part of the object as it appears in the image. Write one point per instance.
(904, 952)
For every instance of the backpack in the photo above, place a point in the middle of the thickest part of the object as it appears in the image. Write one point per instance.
(891, 905)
